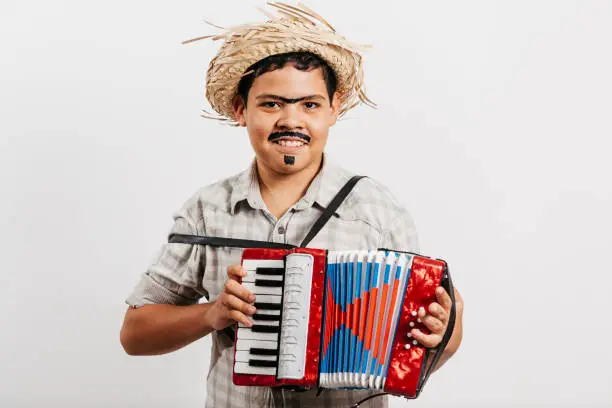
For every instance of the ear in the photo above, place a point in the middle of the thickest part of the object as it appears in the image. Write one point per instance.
(335, 109)
(239, 110)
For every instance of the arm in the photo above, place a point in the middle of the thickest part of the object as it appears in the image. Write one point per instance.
(164, 313)
(162, 328)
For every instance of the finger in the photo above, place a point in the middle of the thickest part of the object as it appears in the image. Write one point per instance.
(433, 324)
(234, 288)
(438, 312)
(443, 298)
(421, 314)
(240, 318)
(233, 303)
(236, 272)
(427, 340)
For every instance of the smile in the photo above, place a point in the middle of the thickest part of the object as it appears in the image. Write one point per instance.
(290, 142)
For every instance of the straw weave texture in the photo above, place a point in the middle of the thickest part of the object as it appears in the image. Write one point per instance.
(291, 29)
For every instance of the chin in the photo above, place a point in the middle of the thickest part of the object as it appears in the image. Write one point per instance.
(284, 168)
(277, 164)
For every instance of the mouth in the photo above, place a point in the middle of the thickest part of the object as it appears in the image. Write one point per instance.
(290, 142)
(289, 139)
(290, 146)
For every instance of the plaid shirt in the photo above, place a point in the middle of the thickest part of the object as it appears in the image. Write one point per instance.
(369, 218)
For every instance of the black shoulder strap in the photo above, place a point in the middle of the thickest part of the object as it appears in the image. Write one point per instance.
(228, 242)
(447, 284)
(331, 208)
(248, 243)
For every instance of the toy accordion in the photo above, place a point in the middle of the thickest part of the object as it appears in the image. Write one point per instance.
(338, 319)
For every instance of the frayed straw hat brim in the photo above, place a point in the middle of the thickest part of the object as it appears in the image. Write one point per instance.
(293, 29)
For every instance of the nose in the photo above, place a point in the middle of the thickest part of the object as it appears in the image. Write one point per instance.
(290, 118)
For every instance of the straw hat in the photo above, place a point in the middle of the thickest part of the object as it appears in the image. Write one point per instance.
(292, 29)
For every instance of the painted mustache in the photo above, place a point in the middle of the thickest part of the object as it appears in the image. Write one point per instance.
(278, 135)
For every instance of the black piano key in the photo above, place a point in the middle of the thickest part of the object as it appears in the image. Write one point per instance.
(268, 283)
(266, 317)
(262, 363)
(263, 351)
(260, 328)
(269, 271)
(267, 306)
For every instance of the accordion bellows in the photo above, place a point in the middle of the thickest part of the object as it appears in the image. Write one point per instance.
(337, 319)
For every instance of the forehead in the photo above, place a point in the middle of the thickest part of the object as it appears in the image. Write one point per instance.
(290, 82)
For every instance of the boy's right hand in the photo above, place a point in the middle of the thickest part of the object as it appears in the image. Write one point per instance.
(234, 303)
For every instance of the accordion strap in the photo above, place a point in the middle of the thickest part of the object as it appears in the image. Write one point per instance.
(249, 243)
(331, 208)
(226, 242)
(447, 284)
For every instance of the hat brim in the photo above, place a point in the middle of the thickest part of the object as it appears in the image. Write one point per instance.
(297, 29)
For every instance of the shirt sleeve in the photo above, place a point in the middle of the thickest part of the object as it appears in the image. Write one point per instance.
(175, 276)
(402, 235)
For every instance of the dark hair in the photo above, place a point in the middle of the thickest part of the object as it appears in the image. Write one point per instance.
(304, 61)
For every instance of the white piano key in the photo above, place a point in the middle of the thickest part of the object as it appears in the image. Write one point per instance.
(268, 298)
(261, 290)
(261, 323)
(246, 333)
(252, 275)
(252, 264)
(244, 368)
(244, 356)
(247, 344)
(268, 312)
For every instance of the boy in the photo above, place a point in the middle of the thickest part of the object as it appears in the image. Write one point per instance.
(287, 81)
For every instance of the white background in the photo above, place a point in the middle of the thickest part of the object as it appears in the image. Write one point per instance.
(493, 129)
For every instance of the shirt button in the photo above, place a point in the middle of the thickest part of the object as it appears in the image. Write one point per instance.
(281, 230)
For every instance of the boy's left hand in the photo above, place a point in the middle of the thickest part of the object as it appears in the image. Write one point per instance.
(435, 319)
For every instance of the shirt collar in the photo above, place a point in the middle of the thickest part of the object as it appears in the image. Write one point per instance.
(323, 188)
(246, 187)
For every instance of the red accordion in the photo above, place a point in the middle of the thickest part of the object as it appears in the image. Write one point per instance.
(338, 319)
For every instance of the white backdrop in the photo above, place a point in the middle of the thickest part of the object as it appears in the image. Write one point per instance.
(498, 111)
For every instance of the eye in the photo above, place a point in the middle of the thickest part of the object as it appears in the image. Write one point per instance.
(311, 105)
(269, 104)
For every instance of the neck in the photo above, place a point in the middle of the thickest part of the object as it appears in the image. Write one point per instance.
(280, 191)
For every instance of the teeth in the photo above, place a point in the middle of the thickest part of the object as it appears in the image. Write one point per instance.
(291, 143)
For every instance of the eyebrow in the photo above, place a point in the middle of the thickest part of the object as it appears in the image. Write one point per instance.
(287, 100)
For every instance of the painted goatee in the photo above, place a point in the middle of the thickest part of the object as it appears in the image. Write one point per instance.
(290, 160)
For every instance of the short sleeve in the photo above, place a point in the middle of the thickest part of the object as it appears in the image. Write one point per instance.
(175, 276)
(402, 235)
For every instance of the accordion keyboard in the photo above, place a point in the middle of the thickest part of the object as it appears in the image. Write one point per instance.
(257, 346)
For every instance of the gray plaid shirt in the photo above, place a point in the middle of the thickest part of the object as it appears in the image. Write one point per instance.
(182, 274)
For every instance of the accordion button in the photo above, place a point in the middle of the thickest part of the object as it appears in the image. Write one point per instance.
(414, 313)
(411, 324)
(414, 342)
(407, 346)
(409, 335)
